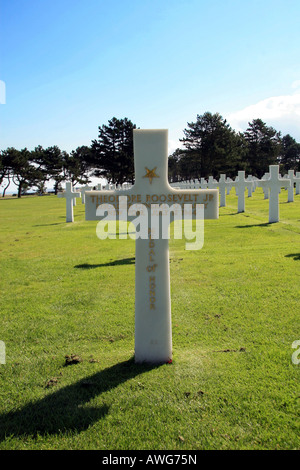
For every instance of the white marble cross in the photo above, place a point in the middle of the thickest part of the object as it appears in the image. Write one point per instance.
(153, 334)
(250, 189)
(212, 183)
(203, 183)
(223, 184)
(229, 187)
(83, 191)
(266, 176)
(240, 185)
(274, 183)
(298, 182)
(294, 179)
(69, 195)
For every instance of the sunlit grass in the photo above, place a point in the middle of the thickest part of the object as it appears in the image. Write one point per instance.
(235, 315)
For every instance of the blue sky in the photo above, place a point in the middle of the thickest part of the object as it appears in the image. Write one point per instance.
(71, 65)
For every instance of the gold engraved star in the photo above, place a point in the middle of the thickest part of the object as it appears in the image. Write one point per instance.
(150, 174)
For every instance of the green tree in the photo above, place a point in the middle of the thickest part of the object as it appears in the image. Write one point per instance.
(211, 148)
(24, 173)
(112, 153)
(77, 165)
(290, 154)
(174, 169)
(5, 170)
(50, 162)
(262, 147)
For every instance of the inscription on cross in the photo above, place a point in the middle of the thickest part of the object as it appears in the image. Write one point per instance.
(153, 337)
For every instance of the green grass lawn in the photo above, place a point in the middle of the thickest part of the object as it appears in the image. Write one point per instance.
(235, 315)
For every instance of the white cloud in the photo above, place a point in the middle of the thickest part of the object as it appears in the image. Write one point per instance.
(280, 112)
(173, 145)
(296, 84)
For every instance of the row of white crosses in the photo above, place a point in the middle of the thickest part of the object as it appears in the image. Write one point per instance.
(268, 183)
(271, 183)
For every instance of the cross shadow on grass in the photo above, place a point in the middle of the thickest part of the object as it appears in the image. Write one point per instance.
(296, 256)
(265, 224)
(46, 225)
(117, 262)
(65, 410)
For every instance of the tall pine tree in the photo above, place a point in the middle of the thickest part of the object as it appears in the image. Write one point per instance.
(112, 153)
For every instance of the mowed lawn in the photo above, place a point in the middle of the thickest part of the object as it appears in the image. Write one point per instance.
(235, 315)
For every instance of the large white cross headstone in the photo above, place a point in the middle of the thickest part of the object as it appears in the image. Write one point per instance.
(153, 336)
(69, 195)
(274, 183)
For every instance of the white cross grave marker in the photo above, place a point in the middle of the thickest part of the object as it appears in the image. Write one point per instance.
(83, 191)
(223, 184)
(250, 189)
(153, 334)
(274, 183)
(203, 183)
(298, 182)
(240, 185)
(294, 179)
(69, 195)
(229, 187)
(266, 176)
(212, 183)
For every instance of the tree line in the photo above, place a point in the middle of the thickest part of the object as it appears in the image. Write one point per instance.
(209, 147)
(212, 147)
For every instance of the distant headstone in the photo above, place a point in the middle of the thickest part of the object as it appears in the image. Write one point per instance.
(69, 195)
(250, 188)
(298, 182)
(240, 185)
(273, 184)
(212, 183)
(265, 189)
(223, 184)
(229, 187)
(83, 191)
(203, 183)
(153, 337)
(293, 179)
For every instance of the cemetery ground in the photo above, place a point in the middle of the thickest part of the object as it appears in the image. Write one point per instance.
(232, 383)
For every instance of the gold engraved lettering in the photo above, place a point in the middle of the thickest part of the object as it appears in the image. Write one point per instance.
(151, 255)
(151, 267)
